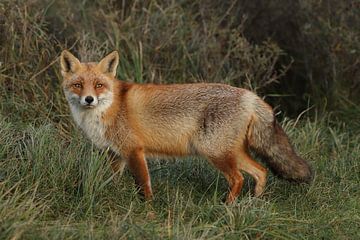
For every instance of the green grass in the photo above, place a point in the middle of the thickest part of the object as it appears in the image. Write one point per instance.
(54, 188)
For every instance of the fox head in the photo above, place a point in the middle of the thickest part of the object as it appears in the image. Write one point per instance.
(88, 85)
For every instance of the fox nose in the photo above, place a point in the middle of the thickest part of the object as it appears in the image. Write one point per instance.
(89, 99)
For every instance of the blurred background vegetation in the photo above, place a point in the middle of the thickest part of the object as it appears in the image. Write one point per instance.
(298, 54)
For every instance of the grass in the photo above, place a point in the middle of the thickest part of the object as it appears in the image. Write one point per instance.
(55, 185)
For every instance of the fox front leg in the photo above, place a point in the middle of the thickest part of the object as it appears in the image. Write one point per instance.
(117, 163)
(138, 167)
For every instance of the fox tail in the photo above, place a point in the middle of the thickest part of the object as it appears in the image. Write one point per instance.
(269, 140)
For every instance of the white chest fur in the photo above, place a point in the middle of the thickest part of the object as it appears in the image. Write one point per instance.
(90, 121)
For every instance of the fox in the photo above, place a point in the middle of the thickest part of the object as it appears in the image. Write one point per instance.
(220, 123)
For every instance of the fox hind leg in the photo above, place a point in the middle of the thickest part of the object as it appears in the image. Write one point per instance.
(256, 170)
(227, 165)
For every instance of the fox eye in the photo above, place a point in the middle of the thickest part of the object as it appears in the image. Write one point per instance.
(99, 85)
(77, 85)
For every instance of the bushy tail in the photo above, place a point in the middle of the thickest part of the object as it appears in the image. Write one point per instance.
(267, 138)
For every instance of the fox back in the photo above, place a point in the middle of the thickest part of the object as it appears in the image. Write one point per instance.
(216, 121)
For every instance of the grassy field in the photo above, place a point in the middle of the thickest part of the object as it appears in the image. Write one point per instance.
(54, 188)
(54, 184)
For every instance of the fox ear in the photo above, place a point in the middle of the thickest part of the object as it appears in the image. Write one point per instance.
(68, 62)
(109, 63)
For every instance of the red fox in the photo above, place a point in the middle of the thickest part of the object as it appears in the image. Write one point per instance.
(215, 121)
